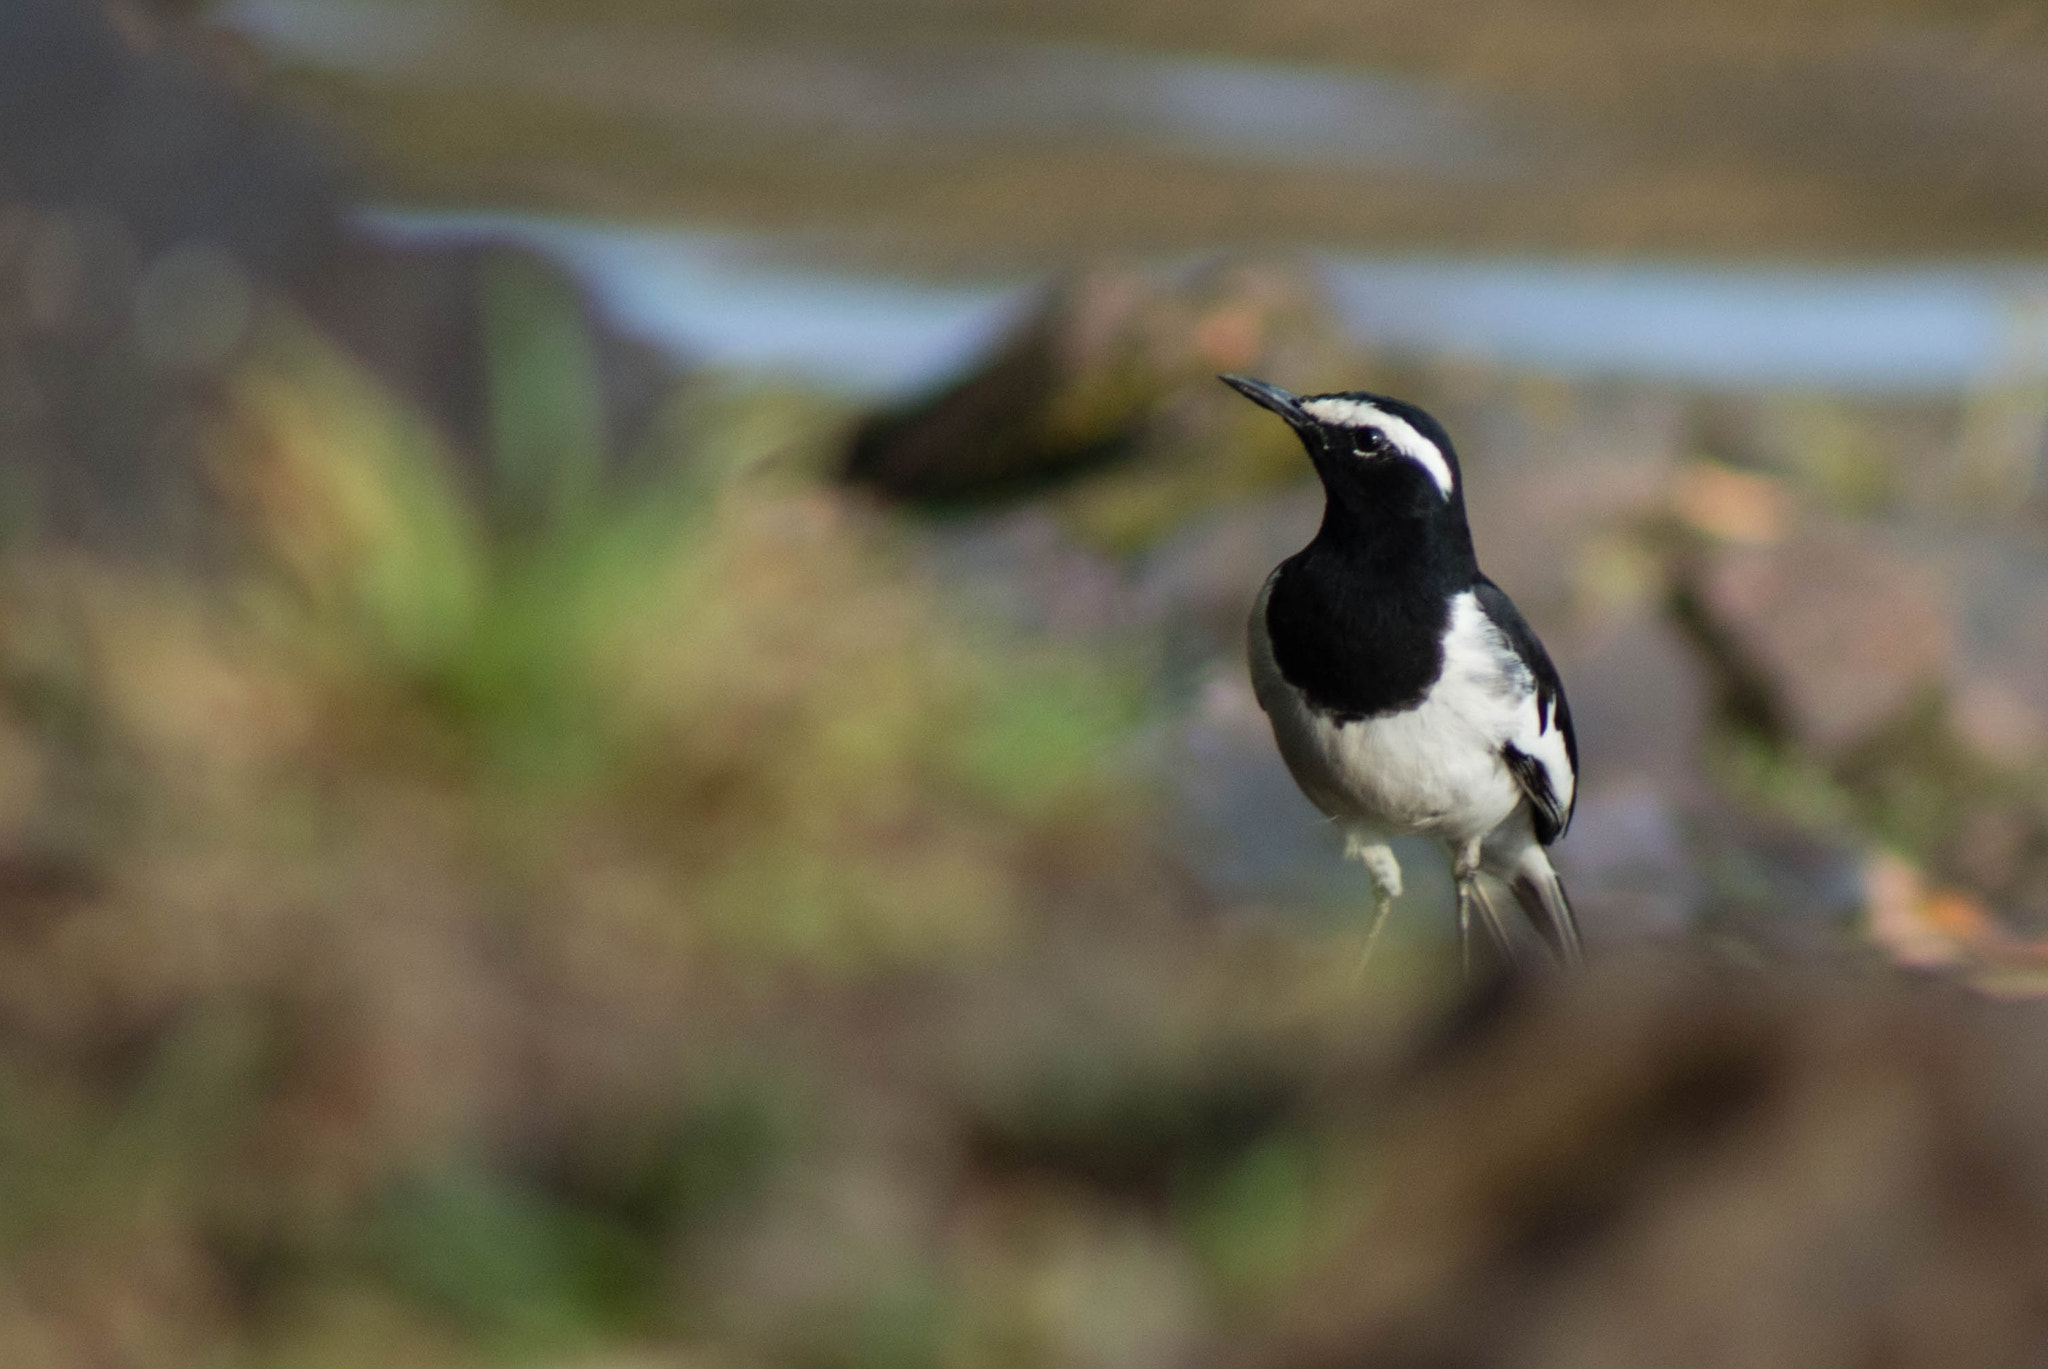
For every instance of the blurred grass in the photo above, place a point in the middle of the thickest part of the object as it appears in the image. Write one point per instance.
(510, 923)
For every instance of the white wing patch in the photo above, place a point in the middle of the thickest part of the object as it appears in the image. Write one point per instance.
(1357, 413)
(1531, 726)
(1501, 696)
(1542, 740)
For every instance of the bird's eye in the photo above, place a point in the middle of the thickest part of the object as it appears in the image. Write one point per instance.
(1371, 442)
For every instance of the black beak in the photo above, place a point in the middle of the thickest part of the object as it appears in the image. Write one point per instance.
(1268, 397)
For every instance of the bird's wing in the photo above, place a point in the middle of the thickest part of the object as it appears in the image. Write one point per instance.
(1540, 749)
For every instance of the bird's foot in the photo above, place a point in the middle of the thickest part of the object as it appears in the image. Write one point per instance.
(1382, 904)
(1385, 870)
(1472, 896)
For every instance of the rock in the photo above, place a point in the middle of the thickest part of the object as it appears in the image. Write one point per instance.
(417, 316)
(150, 210)
(1997, 721)
(2000, 703)
(1897, 679)
(1072, 388)
(1103, 369)
(1628, 865)
(122, 118)
(1733, 505)
(1826, 637)
(1687, 1165)
(1779, 887)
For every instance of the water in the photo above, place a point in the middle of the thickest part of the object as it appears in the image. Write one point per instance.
(1907, 329)
(722, 300)
(731, 301)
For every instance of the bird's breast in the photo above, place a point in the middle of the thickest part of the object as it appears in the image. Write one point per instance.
(1432, 768)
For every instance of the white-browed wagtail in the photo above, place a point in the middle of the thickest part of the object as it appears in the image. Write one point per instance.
(1407, 694)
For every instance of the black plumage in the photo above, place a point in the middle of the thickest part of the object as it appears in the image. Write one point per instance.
(1358, 615)
(1407, 693)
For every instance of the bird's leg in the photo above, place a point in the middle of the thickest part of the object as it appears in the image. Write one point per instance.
(1489, 913)
(1471, 894)
(1385, 870)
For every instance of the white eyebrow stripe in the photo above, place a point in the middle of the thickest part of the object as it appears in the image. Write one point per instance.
(1356, 413)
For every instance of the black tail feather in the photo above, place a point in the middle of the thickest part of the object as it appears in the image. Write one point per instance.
(1541, 893)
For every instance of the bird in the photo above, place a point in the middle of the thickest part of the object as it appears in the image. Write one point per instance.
(1406, 693)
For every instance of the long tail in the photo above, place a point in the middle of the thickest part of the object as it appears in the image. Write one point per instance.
(1537, 888)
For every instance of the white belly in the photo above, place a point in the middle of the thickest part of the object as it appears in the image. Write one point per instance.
(1434, 770)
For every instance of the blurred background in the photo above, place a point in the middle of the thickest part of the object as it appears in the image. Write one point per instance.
(623, 738)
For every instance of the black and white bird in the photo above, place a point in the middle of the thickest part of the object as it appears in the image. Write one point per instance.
(1406, 692)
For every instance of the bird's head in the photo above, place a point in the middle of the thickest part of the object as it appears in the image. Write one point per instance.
(1374, 454)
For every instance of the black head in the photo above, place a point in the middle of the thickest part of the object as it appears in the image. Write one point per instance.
(1368, 447)
(1387, 467)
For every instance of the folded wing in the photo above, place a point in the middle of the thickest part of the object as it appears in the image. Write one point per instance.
(1540, 750)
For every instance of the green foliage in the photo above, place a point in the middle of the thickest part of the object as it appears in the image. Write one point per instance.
(717, 1155)
(530, 1275)
(548, 441)
(139, 1157)
(1763, 771)
(902, 1321)
(1253, 1220)
(1037, 730)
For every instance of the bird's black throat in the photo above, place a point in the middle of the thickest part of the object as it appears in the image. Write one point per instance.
(1357, 617)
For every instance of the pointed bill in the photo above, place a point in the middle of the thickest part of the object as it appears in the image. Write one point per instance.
(1268, 397)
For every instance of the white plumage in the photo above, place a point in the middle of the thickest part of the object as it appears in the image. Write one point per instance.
(1434, 770)
(1414, 699)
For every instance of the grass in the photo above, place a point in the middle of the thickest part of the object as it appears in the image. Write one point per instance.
(596, 917)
